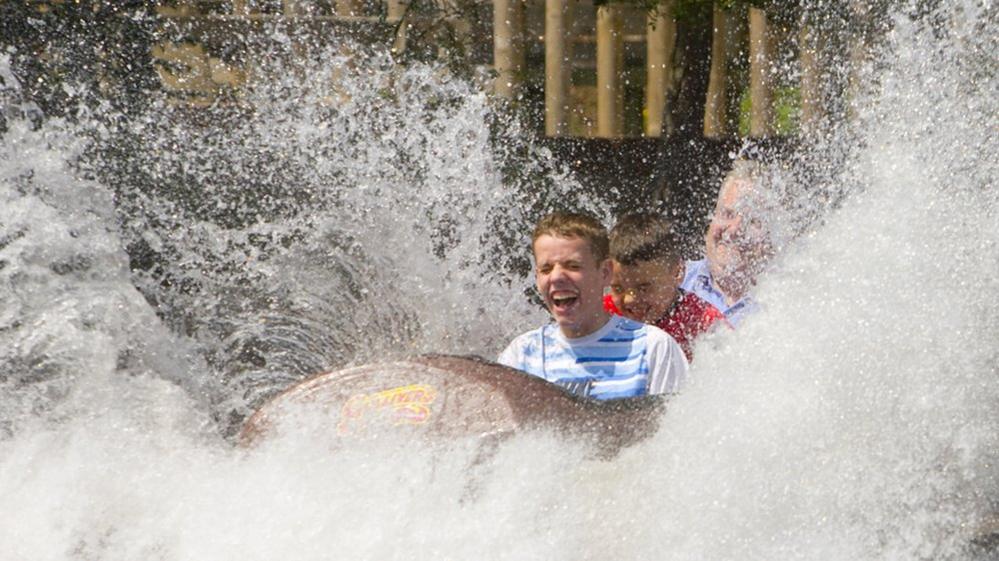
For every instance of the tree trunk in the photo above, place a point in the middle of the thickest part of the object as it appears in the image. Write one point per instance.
(610, 71)
(761, 54)
(692, 67)
(868, 21)
(826, 42)
(395, 11)
(508, 47)
(812, 106)
(716, 115)
(660, 41)
(558, 67)
(349, 7)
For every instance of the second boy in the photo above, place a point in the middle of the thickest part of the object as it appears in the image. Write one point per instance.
(647, 267)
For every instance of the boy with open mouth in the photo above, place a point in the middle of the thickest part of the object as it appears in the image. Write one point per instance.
(587, 350)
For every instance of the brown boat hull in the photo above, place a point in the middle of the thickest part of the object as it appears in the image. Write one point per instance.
(443, 397)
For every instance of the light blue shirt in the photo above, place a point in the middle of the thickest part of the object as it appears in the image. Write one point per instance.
(697, 279)
(623, 358)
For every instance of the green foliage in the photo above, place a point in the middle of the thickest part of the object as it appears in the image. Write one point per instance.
(787, 110)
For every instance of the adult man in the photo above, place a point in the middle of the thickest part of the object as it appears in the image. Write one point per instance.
(737, 245)
(587, 350)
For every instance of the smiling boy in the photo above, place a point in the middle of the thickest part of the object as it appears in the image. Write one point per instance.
(587, 350)
(647, 267)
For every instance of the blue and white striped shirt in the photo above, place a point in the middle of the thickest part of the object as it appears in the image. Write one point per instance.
(624, 358)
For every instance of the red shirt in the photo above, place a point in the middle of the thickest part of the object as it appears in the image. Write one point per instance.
(686, 320)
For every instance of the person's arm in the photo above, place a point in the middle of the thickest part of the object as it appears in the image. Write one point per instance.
(667, 363)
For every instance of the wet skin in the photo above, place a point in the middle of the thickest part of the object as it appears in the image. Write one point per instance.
(571, 282)
(645, 291)
(736, 244)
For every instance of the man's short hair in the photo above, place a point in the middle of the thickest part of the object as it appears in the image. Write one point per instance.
(644, 236)
(575, 225)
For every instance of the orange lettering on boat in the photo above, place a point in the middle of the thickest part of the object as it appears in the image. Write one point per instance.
(404, 405)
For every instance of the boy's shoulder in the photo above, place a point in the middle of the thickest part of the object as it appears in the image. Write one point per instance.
(522, 348)
(528, 337)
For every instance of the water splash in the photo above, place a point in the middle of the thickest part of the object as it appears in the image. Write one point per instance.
(150, 295)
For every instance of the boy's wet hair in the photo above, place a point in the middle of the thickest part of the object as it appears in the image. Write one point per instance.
(575, 225)
(642, 237)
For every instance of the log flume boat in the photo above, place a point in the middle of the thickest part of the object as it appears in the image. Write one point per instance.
(443, 397)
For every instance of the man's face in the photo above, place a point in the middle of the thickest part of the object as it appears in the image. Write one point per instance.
(737, 244)
(571, 283)
(645, 291)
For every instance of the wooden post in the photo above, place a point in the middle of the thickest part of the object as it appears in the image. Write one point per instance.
(395, 11)
(859, 56)
(291, 7)
(349, 7)
(862, 25)
(761, 117)
(659, 43)
(558, 66)
(716, 122)
(812, 110)
(610, 71)
(508, 47)
(239, 8)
